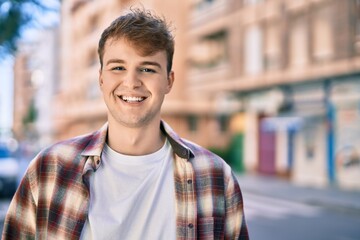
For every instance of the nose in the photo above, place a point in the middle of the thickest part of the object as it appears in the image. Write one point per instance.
(131, 80)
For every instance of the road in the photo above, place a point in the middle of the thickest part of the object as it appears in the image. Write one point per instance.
(270, 218)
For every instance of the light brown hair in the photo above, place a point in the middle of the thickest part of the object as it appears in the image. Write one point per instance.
(144, 30)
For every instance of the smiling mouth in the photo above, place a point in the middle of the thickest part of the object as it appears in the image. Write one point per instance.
(129, 99)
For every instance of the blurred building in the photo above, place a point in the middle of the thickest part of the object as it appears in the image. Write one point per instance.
(23, 92)
(45, 79)
(293, 67)
(273, 86)
(35, 83)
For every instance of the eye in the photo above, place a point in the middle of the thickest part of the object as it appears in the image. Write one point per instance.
(119, 68)
(148, 70)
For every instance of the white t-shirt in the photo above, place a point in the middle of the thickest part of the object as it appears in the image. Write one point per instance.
(132, 197)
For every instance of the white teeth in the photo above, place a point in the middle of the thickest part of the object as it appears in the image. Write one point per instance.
(132, 99)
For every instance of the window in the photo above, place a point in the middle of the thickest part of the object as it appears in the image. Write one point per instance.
(251, 2)
(92, 58)
(223, 121)
(298, 42)
(323, 45)
(93, 23)
(272, 51)
(357, 17)
(192, 123)
(210, 51)
(77, 5)
(357, 25)
(253, 52)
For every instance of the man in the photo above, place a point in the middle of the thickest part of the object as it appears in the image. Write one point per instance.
(135, 178)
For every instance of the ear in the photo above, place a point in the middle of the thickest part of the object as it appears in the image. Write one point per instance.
(100, 78)
(171, 79)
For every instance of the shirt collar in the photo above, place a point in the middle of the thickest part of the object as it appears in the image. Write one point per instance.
(97, 142)
(176, 142)
(98, 139)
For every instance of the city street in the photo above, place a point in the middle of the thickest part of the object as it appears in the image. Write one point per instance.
(271, 218)
(279, 209)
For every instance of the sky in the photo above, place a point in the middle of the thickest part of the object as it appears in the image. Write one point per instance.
(42, 20)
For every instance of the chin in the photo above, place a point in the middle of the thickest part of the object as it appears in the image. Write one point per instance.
(135, 123)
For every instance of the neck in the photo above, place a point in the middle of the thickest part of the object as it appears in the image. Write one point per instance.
(135, 141)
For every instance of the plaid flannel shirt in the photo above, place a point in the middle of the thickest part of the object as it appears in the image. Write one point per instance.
(52, 200)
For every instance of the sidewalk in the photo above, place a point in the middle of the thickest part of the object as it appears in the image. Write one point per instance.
(330, 197)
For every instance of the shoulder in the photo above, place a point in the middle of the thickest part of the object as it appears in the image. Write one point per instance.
(69, 147)
(204, 159)
(211, 171)
(61, 153)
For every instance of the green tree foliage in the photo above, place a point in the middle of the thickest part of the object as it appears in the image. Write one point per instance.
(31, 115)
(15, 15)
(234, 153)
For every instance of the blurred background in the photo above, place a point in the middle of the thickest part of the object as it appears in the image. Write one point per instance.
(272, 86)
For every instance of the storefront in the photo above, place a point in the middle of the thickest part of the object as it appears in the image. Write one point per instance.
(261, 142)
(345, 96)
(311, 141)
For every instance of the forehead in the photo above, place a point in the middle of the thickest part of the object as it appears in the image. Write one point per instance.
(116, 47)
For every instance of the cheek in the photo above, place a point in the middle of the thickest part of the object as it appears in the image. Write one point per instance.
(102, 88)
(106, 90)
(163, 89)
(107, 85)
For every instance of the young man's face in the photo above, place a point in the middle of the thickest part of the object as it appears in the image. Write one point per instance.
(133, 86)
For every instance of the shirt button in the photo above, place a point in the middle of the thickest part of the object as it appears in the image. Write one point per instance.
(190, 225)
(189, 181)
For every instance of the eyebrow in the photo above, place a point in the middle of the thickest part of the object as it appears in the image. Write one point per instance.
(151, 63)
(115, 60)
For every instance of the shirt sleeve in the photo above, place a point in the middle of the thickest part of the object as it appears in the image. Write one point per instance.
(235, 224)
(20, 220)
